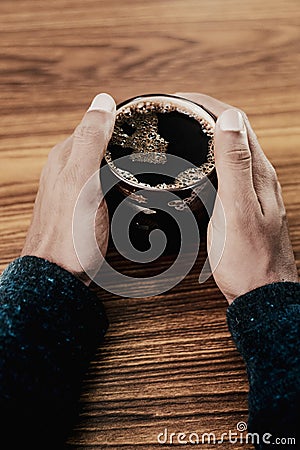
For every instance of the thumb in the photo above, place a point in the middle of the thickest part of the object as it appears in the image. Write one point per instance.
(233, 158)
(92, 135)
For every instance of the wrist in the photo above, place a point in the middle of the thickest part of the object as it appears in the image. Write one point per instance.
(63, 257)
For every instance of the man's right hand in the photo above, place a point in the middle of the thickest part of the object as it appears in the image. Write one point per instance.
(257, 249)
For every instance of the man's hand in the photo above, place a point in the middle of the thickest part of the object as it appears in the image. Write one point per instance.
(70, 164)
(257, 249)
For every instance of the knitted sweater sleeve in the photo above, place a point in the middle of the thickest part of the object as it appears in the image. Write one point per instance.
(50, 326)
(265, 325)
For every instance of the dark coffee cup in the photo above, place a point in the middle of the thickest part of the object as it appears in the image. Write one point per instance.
(162, 156)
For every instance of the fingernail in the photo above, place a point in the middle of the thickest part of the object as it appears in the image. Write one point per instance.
(103, 102)
(231, 120)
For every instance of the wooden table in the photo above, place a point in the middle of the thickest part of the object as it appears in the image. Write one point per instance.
(168, 361)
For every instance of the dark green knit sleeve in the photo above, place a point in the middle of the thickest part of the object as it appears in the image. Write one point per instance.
(265, 325)
(50, 326)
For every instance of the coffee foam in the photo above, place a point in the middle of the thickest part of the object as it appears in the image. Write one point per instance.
(156, 147)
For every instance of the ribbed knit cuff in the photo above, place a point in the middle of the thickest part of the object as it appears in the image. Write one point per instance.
(259, 309)
(31, 285)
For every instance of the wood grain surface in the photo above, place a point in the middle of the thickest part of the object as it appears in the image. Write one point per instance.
(167, 361)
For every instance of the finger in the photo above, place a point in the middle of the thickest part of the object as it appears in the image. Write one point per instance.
(264, 174)
(92, 135)
(234, 161)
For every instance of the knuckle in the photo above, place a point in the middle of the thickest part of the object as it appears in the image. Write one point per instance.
(239, 154)
(273, 174)
(282, 213)
(271, 178)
